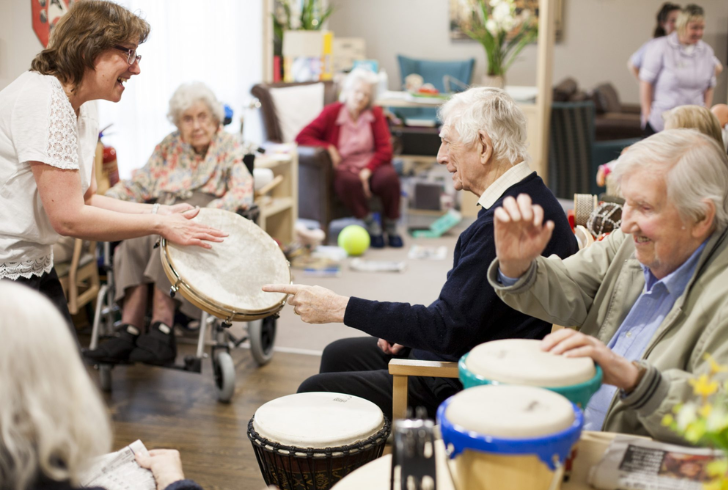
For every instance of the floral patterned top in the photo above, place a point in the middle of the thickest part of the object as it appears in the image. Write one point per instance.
(174, 171)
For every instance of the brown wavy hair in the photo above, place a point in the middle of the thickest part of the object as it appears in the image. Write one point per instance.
(89, 28)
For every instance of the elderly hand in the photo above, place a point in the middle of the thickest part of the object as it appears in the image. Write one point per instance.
(180, 229)
(389, 348)
(617, 370)
(520, 234)
(165, 464)
(313, 304)
(364, 176)
(335, 156)
(174, 209)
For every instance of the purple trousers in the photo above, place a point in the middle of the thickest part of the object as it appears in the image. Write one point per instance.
(384, 183)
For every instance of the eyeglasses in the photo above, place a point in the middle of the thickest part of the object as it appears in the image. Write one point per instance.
(131, 55)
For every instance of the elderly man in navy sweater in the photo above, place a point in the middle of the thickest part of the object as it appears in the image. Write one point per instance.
(484, 147)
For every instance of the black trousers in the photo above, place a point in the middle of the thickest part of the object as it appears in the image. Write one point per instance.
(358, 367)
(648, 131)
(49, 286)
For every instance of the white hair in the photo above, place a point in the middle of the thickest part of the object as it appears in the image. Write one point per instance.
(694, 166)
(189, 94)
(52, 419)
(360, 75)
(491, 110)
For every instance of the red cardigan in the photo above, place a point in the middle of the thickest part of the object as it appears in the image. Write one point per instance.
(323, 131)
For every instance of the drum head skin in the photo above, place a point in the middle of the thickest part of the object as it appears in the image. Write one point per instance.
(318, 420)
(510, 411)
(231, 273)
(522, 362)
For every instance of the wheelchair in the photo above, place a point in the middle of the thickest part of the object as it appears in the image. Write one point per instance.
(213, 333)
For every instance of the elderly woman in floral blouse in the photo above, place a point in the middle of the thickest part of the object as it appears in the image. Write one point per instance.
(197, 165)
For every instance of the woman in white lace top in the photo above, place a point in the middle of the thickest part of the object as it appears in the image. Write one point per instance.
(48, 136)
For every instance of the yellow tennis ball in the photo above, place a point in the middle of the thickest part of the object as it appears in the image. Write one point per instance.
(354, 239)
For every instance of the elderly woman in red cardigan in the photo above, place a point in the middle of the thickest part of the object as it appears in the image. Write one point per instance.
(358, 139)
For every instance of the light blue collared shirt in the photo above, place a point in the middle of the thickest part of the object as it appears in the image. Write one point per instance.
(638, 328)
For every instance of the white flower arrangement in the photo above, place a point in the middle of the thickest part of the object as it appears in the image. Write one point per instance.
(503, 30)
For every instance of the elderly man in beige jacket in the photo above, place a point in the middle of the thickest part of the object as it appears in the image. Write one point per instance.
(651, 300)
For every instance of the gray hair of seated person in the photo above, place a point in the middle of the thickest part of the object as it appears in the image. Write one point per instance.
(52, 419)
(358, 75)
(695, 168)
(491, 110)
(187, 95)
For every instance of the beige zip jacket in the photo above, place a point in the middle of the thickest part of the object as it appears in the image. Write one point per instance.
(595, 289)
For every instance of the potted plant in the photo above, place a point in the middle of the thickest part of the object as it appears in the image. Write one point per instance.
(504, 30)
(293, 15)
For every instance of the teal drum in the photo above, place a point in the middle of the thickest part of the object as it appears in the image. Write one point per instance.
(522, 362)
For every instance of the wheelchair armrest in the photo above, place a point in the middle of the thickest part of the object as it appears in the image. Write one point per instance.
(252, 213)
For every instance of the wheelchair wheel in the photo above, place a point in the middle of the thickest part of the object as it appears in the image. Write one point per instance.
(224, 372)
(262, 335)
(105, 377)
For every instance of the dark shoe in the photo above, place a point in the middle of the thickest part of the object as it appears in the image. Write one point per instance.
(395, 241)
(376, 241)
(114, 350)
(158, 347)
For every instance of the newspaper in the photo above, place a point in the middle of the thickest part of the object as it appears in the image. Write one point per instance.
(632, 463)
(120, 471)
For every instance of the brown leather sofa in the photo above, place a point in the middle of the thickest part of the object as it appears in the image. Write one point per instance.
(316, 197)
(614, 120)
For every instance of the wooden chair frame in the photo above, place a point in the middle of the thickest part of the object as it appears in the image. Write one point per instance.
(81, 282)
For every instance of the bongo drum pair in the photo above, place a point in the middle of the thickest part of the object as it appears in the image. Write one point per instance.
(310, 441)
(503, 437)
(226, 280)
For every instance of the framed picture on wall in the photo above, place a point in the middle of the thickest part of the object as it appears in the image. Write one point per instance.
(461, 10)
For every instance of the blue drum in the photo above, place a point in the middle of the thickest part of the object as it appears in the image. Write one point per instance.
(501, 437)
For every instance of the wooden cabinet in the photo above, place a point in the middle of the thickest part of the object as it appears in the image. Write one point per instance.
(279, 207)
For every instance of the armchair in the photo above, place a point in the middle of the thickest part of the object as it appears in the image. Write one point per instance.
(316, 197)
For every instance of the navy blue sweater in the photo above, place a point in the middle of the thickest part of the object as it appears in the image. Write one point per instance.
(468, 312)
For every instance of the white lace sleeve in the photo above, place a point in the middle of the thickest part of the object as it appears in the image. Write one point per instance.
(62, 131)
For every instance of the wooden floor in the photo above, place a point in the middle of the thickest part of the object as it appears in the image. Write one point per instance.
(166, 408)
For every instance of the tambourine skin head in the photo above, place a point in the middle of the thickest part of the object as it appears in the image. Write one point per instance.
(226, 280)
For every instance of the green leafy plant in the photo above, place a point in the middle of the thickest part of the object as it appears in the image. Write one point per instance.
(704, 421)
(502, 28)
(293, 15)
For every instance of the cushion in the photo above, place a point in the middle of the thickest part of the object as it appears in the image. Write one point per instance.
(564, 90)
(606, 99)
(296, 107)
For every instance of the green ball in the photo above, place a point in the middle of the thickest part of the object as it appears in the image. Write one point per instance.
(354, 239)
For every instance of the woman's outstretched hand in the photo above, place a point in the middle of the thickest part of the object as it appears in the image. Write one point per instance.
(520, 234)
(179, 228)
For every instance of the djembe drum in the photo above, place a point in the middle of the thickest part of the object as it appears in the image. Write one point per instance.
(310, 441)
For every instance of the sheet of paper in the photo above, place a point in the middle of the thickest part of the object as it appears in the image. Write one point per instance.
(120, 471)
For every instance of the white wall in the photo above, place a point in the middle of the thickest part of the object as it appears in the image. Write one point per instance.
(18, 42)
(599, 36)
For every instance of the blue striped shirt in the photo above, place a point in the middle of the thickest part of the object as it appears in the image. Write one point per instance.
(640, 325)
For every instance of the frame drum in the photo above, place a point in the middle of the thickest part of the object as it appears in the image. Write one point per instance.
(509, 437)
(522, 362)
(226, 280)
